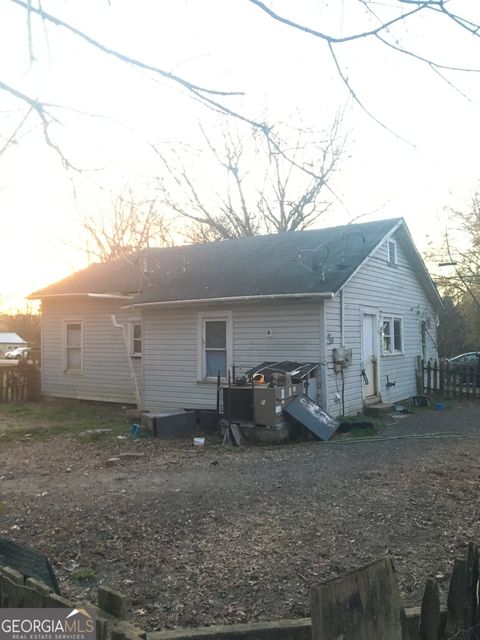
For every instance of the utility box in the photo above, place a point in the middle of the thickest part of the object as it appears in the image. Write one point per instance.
(342, 356)
(261, 404)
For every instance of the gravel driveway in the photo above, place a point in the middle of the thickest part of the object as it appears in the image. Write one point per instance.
(203, 536)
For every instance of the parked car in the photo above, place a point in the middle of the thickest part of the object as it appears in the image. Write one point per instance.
(18, 353)
(467, 365)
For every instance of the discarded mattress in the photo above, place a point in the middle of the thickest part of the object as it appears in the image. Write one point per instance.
(312, 417)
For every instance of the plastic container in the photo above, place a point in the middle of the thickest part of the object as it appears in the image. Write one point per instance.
(440, 406)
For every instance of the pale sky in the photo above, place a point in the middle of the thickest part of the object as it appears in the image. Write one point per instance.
(285, 76)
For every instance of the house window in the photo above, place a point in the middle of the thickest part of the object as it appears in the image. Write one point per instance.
(73, 346)
(392, 335)
(136, 339)
(215, 345)
(392, 252)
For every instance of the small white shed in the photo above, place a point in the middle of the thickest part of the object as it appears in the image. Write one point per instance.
(9, 341)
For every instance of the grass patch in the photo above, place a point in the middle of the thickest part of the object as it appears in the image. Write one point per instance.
(374, 428)
(366, 432)
(44, 419)
(83, 574)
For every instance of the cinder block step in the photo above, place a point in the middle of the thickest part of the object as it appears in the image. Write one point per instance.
(379, 410)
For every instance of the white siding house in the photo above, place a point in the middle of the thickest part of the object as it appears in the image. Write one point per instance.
(154, 330)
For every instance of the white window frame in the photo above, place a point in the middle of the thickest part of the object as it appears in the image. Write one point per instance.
(392, 256)
(65, 348)
(391, 319)
(136, 322)
(203, 318)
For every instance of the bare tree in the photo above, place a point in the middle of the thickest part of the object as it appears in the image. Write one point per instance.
(386, 23)
(131, 226)
(258, 182)
(458, 256)
(457, 271)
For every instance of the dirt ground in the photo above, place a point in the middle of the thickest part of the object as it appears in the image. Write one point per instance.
(202, 536)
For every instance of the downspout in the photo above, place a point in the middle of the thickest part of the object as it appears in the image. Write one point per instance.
(130, 363)
(342, 344)
(342, 319)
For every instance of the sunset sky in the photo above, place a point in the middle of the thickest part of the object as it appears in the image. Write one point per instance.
(109, 114)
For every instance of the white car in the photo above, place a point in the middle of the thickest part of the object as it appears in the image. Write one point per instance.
(17, 354)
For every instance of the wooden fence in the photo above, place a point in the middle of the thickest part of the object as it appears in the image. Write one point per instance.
(19, 381)
(365, 605)
(446, 378)
(362, 605)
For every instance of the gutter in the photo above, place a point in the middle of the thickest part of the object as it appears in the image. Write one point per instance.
(275, 296)
(108, 296)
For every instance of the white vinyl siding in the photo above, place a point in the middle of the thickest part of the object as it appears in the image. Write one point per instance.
(261, 331)
(393, 293)
(106, 363)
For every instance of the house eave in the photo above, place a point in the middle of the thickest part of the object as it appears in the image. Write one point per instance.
(327, 295)
(105, 296)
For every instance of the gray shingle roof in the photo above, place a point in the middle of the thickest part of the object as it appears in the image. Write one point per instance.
(317, 261)
(302, 262)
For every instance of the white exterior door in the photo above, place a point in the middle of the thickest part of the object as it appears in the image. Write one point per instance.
(369, 355)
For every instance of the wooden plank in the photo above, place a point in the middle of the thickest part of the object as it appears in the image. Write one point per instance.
(362, 605)
(419, 375)
(471, 568)
(458, 600)
(430, 611)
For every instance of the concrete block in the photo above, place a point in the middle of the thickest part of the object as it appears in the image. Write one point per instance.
(174, 424)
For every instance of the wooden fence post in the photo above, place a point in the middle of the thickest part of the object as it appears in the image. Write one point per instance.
(419, 375)
(430, 612)
(362, 605)
(435, 376)
(462, 601)
(429, 376)
(441, 384)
